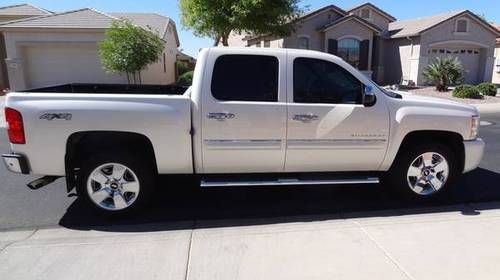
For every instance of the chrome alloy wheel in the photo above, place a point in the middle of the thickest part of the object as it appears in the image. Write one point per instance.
(428, 173)
(113, 186)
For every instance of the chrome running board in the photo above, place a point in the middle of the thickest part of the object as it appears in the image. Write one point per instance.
(288, 182)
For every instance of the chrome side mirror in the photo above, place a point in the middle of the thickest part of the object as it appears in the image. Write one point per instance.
(369, 98)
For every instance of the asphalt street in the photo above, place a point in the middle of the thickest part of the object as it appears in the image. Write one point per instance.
(179, 199)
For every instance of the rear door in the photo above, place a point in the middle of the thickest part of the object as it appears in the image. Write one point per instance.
(244, 112)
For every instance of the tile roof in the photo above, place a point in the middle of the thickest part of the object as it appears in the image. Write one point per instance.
(155, 22)
(22, 10)
(83, 18)
(412, 27)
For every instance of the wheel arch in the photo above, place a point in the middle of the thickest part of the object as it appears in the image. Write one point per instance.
(81, 144)
(450, 139)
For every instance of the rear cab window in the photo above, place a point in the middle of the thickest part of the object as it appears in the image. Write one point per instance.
(246, 78)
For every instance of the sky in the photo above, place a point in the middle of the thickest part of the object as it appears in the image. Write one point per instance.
(401, 9)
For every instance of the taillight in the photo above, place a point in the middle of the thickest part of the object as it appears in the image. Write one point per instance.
(15, 127)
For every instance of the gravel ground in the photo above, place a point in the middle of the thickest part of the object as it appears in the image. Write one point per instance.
(430, 91)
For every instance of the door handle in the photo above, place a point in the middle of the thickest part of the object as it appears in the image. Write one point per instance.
(221, 116)
(305, 118)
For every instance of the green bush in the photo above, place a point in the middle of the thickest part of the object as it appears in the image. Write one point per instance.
(467, 91)
(487, 89)
(186, 79)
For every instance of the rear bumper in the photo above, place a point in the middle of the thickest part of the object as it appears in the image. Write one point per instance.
(474, 151)
(16, 163)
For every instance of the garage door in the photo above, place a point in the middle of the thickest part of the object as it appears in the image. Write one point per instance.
(469, 57)
(46, 65)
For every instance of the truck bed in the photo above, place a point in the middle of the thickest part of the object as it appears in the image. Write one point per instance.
(112, 88)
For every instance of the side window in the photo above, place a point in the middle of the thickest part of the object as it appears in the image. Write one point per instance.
(320, 81)
(245, 78)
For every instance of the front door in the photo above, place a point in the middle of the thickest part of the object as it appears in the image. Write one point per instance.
(244, 113)
(329, 129)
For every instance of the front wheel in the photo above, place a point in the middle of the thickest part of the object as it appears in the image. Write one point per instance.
(423, 171)
(116, 183)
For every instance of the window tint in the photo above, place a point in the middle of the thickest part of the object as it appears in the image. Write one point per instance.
(319, 81)
(245, 78)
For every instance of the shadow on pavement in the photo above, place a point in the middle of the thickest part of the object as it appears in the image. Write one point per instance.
(184, 206)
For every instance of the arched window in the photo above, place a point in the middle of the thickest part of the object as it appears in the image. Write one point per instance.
(303, 42)
(348, 50)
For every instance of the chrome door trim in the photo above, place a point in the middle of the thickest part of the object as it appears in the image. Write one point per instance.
(217, 144)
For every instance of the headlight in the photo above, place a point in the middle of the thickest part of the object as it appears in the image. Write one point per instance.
(474, 127)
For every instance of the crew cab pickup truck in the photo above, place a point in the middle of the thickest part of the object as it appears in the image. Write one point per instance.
(251, 117)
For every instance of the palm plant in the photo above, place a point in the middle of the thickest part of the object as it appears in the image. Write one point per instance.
(444, 72)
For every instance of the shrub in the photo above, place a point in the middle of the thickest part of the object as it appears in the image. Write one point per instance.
(186, 79)
(467, 91)
(129, 49)
(487, 89)
(444, 72)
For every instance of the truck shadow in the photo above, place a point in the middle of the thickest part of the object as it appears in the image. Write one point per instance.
(181, 205)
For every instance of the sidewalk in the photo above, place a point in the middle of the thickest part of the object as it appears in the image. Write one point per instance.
(457, 243)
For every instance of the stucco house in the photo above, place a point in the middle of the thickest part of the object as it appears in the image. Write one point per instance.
(388, 50)
(56, 48)
(496, 69)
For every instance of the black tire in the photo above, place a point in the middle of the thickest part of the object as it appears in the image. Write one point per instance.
(142, 168)
(397, 177)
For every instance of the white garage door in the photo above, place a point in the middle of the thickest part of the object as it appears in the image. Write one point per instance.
(469, 57)
(53, 64)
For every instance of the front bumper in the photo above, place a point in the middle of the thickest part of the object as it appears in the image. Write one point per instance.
(474, 151)
(16, 163)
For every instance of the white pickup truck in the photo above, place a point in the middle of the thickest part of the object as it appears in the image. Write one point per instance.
(251, 117)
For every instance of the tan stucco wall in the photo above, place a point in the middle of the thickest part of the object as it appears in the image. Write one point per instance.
(309, 28)
(375, 17)
(496, 70)
(401, 60)
(16, 39)
(478, 37)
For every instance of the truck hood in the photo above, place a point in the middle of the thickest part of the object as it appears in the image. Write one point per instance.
(434, 102)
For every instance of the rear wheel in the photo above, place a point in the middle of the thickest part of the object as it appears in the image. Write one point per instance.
(116, 183)
(423, 171)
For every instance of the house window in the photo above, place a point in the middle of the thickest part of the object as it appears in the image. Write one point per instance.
(348, 50)
(303, 43)
(462, 26)
(267, 44)
(164, 63)
(365, 13)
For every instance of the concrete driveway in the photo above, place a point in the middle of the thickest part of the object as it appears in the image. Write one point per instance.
(459, 243)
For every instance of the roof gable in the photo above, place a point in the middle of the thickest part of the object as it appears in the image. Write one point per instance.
(22, 10)
(351, 18)
(375, 8)
(322, 10)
